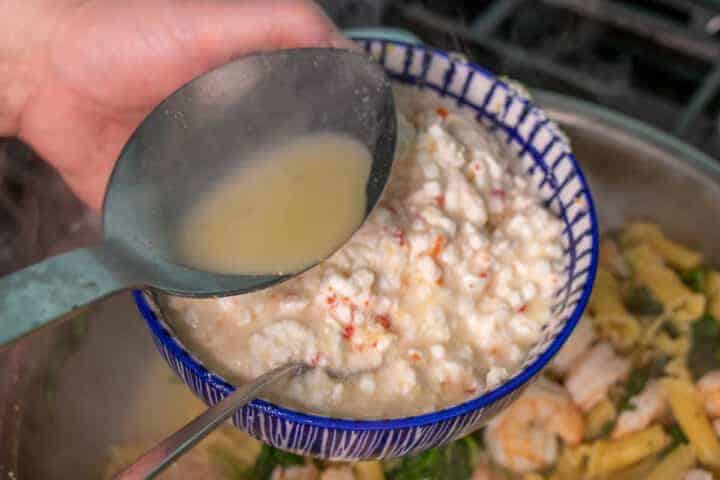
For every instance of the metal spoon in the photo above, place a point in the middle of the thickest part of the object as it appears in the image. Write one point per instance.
(154, 461)
(180, 150)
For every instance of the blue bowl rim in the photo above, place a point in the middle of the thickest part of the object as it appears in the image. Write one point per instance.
(484, 400)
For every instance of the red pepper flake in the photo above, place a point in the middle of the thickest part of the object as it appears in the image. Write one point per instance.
(476, 167)
(392, 210)
(441, 201)
(483, 275)
(331, 300)
(415, 357)
(498, 192)
(522, 309)
(399, 237)
(384, 321)
(470, 390)
(348, 331)
(442, 112)
(374, 344)
(437, 247)
(441, 281)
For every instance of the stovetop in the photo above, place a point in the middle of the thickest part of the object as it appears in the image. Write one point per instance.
(654, 60)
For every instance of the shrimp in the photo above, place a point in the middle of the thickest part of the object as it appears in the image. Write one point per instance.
(300, 472)
(525, 436)
(578, 344)
(588, 382)
(484, 470)
(648, 405)
(697, 474)
(709, 387)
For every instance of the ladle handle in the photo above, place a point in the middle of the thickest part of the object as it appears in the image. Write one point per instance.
(52, 289)
(164, 453)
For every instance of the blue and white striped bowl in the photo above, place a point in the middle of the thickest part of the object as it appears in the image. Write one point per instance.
(546, 155)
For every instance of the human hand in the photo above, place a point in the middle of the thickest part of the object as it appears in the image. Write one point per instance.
(93, 69)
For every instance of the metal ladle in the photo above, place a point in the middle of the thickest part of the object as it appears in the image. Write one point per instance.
(158, 458)
(186, 144)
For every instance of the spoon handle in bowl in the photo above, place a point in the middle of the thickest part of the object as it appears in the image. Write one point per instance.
(155, 460)
(52, 289)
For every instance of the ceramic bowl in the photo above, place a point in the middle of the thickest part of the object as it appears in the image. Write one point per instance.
(545, 155)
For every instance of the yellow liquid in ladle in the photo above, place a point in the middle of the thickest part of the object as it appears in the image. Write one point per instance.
(284, 210)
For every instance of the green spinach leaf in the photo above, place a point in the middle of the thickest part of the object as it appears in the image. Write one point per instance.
(677, 438)
(640, 301)
(694, 279)
(638, 379)
(451, 462)
(268, 460)
(704, 353)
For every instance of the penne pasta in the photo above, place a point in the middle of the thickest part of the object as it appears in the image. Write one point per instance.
(678, 300)
(677, 368)
(371, 470)
(672, 347)
(611, 456)
(689, 411)
(572, 462)
(611, 318)
(532, 476)
(599, 417)
(639, 471)
(675, 464)
(671, 252)
(712, 290)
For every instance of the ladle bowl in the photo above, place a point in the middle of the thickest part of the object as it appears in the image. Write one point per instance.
(183, 147)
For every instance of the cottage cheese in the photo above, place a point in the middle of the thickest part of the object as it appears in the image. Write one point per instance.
(437, 298)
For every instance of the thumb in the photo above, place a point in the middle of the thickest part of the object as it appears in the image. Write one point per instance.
(218, 31)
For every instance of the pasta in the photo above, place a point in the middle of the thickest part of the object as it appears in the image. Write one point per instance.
(610, 315)
(597, 419)
(369, 471)
(611, 456)
(572, 462)
(677, 462)
(650, 234)
(621, 401)
(677, 368)
(689, 411)
(678, 300)
(712, 290)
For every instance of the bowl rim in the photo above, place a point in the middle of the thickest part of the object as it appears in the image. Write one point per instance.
(469, 406)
